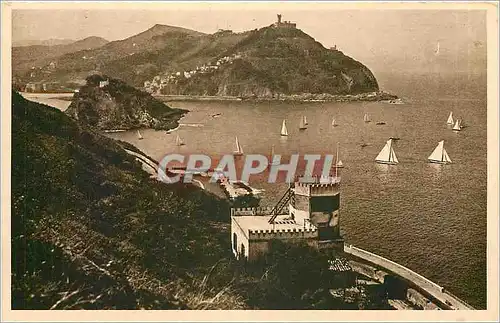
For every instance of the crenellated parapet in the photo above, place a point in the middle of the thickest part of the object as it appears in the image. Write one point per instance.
(317, 189)
(290, 233)
(248, 211)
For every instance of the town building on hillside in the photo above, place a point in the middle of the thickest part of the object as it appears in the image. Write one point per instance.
(284, 24)
(222, 32)
(307, 212)
(36, 87)
(103, 83)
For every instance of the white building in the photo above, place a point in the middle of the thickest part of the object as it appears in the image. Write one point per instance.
(312, 216)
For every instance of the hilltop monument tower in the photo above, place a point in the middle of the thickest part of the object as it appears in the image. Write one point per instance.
(284, 24)
(308, 212)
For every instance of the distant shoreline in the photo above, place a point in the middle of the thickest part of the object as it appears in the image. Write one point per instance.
(305, 97)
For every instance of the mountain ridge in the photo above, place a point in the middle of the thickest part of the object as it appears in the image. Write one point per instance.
(273, 60)
(28, 58)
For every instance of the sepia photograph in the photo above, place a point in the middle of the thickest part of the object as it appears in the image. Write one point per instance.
(298, 157)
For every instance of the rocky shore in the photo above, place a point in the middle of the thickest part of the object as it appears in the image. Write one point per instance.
(304, 97)
(110, 104)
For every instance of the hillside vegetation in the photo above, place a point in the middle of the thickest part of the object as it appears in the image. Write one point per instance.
(91, 230)
(26, 57)
(288, 61)
(120, 106)
(271, 61)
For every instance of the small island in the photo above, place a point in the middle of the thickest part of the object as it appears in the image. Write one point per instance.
(109, 104)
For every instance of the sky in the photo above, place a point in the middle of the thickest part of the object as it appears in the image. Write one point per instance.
(381, 39)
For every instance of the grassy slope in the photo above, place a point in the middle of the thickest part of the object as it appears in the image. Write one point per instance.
(89, 224)
(91, 230)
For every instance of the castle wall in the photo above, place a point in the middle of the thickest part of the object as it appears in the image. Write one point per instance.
(259, 248)
(302, 203)
(300, 215)
(301, 190)
(259, 239)
(283, 234)
(308, 189)
(242, 245)
(325, 189)
(252, 211)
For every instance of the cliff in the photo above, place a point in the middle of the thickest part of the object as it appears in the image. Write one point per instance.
(106, 103)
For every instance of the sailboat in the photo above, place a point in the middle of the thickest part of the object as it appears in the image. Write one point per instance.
(284, 131)
(338, 162)
(450, 119)
(462, 123)
(239, 150)
(439, 155)
(334, 124)
(139, 135)
(387, 154)
(366, 118)
(437, 49)
(271, 158)
(178, 141)
(305, 121)
(457, 126)
(303, 124)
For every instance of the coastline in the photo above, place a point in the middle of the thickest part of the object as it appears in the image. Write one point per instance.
(303, 97)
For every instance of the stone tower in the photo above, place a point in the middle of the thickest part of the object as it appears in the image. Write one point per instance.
(279, 19)
(318, 203)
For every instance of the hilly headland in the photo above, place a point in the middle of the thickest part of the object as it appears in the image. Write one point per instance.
(276, 62)
(106, 103)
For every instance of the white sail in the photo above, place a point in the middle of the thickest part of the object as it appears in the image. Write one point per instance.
(271, 159)
(333, 122)
(457, 127)
(178, 141)
(450, 119)
(284, 131)
(446, 158)
(302, 123)
(139, 134)
(387, 154)
(439, 155)
(437, 48)
(305, 121)
(393, 158)
(366, 118)
(338, 162)
(239, 150)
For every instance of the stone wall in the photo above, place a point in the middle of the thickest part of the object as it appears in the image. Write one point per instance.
(248, 211)
(261, 247)
(241, 239)
(428, 286)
